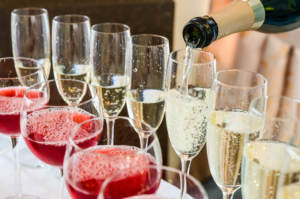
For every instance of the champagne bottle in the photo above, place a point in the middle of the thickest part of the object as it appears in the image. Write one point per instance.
(270, 16)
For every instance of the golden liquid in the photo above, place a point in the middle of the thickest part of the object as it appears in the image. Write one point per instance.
(264, 168)
(226, 136)
(147, 105)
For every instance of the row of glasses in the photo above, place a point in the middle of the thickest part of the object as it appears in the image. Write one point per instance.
(107, 51)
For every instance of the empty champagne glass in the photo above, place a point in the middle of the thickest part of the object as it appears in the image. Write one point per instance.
(146, 96)
(85, 169)
(271, 161)
(71, 50)
(30, 35)
(110, 60)
(16, 75)
(187, 112)
(230, 124)
(168, 183)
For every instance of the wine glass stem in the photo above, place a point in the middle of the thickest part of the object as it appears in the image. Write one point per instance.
(14, 141)
(110, 131)
(143, 140)
(185, 168)
(228, 193)
(61, 188)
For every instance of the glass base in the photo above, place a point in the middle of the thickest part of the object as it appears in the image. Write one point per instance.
(24, 196)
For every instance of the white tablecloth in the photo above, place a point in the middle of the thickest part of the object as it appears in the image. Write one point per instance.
(44, 182)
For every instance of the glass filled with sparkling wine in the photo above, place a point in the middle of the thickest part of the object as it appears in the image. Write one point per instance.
(146, 96)
(71, 51)
(189, 98)
(230, 125)
(110, 61)
(16, 75)
(86, 169)
(169, 186)
(271, 163)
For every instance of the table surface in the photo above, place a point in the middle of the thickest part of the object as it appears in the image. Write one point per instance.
(45, 182)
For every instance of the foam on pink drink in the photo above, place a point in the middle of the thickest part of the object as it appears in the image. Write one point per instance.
(11, 104)
(48, 130)
(87, 170)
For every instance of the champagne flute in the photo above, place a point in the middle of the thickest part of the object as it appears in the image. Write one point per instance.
(16, 75)
(30, 35)
(70, 52)
(86, 169)
(268, 161)
(168, 183)
(187, 112)
(146, 96)
(110, 60)
(230, 124)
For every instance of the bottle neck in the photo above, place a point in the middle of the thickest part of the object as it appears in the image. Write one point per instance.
(240, 15)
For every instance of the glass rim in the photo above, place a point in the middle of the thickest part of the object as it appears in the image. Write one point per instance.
(125, 27)
(161, 168)
(252, 106)
(194, 64)
(260, 76)
(71, 142)
(25, 59)
(163, 38)
(17, 11)
(57, 19)
(62, 106)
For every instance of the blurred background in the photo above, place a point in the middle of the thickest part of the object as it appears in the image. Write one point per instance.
(275, 56)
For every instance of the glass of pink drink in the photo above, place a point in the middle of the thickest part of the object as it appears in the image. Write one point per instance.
(169, 186)
(46, 131)
(85, 170)
(16, 75)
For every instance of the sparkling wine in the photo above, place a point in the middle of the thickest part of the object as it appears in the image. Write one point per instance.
(263, 166)
(112, 92)
(147, 105)
(241, 15)
(71, 91)
(11, 104)
(226, 136)
(88, 169)
(77, 72)
(23, 69)
(47, 132)
(291, 191)
(187, 119)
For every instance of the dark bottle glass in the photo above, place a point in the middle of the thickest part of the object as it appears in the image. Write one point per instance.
(269, 16)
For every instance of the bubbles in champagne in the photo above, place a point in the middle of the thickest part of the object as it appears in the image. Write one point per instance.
(264, 165)
(187, 119)
(226, 136)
